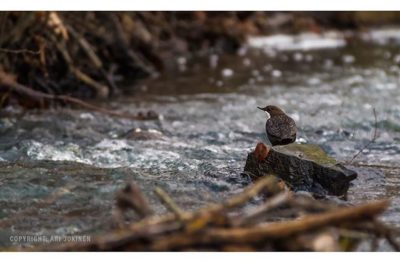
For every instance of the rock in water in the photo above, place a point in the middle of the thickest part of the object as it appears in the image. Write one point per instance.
(303, 167)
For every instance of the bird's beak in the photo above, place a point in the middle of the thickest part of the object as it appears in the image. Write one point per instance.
(263, 109)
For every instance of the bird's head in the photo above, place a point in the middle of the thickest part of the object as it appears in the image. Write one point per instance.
(272, 110)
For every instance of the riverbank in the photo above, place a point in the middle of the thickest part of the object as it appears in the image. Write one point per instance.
(90, 55)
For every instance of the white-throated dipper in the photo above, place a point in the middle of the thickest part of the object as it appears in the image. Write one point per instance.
(280, 128)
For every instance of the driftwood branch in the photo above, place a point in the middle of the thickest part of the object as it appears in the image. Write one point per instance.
(234, 202)
(131, 54)
(100, 89)
(169, 203)
(268, 183)
(8, 81)
(272, 203)
(96, 61)
(212, 228)
(271, 231)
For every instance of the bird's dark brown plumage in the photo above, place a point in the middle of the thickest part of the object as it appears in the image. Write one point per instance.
(280, 128)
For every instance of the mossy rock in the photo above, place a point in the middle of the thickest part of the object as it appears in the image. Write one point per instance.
(303, 167)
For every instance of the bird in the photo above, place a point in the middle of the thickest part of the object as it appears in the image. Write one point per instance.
(280, 128)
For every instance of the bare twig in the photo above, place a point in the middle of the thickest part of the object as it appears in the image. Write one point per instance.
(19, 51)
(385, 231)
(35, 208)
(100, 89)
(17, 31)
(8, 81)
(272, 203)
(170, 204)
(251, 191)
(381, 166)
(269, 182)
(136, 58)
(130, 197)
(91, 53)
(307, 223)
(373, 139)
(310, 204)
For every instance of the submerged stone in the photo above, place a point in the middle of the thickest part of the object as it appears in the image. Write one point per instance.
(303, 167)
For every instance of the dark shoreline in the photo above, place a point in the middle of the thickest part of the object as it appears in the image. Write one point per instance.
(92, 55)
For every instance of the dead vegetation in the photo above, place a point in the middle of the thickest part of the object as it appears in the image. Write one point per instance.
(283, 221)
(90, 55)
(95, 54)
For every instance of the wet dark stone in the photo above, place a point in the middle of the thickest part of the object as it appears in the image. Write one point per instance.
(303, 167)
(139, 134)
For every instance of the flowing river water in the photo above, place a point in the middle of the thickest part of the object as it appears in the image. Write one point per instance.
(60, 168)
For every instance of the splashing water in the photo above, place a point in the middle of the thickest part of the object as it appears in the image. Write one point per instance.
(209, 123)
